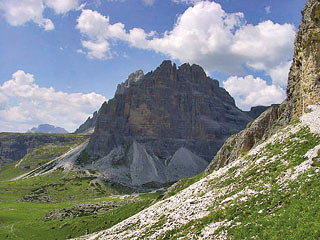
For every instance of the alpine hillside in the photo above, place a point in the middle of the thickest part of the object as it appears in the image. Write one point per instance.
(264, 182)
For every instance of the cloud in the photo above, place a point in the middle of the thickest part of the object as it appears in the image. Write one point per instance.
(186, 1)
(216, 40)
(34, 105)
(279, 74)
(268, 9)
(3, 101)
(97, 49)
(265, 45)
(62, 6)
(249, 91)
(18, 12)
(98, 30)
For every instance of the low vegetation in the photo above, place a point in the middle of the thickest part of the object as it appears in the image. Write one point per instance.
(281, 207)
(24, 203)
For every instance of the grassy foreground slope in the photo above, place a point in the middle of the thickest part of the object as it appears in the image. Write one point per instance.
(271, 192)
(25, 204)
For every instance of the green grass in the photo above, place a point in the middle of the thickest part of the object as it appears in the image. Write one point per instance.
(183, 184)
(39, 156)
(25, 220)
(292, 212)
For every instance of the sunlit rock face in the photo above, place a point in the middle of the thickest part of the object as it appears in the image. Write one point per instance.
(304, 78)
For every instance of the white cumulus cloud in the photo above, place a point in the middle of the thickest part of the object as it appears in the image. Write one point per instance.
(18, 12)
(204, 34)
(62, 6)
(249, 91)
(34, 105)
(207, 35)
(279, 74)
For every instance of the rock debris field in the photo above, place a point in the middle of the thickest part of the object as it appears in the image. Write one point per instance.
(222, 189)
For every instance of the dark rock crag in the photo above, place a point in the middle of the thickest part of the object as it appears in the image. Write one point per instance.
(257, 111)
(163, 126)
(303, 90)
(88, 126)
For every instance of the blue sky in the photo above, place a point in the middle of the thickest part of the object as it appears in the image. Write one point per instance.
(60, 59)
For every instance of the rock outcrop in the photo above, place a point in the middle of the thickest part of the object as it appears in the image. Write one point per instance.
(255, 133)
(257, 111)
(133, 77)
(47, 128)
(163, 126)
(303, 90)
(88, 126)
(304, 77)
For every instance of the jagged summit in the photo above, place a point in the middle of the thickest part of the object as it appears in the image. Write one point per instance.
(169, 113)
(133, 78)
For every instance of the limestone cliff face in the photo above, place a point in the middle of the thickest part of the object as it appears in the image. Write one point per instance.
(304, 77)
(167, 112)
(255, 133)
(303, 90)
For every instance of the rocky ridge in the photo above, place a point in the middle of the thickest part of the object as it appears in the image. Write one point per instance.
(163, 126)
(47, 128)
(303, 90)
(14, 146)
(88, 126)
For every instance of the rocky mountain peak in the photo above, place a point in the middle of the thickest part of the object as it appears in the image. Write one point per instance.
(167, 117)
(47, 128)
(133, 78)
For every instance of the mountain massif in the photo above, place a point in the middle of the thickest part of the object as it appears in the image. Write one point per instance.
(158, 128)
(163, 126)
(88, 126)
(47, 128)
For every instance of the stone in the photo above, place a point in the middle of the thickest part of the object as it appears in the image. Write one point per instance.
(304, 77)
